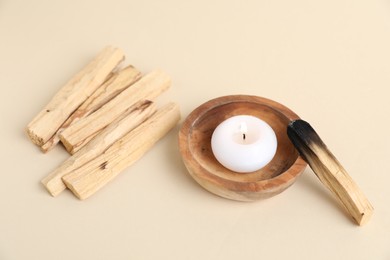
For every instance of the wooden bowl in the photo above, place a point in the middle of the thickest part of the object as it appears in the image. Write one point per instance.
(195, 147)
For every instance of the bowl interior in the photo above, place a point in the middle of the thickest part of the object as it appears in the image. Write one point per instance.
(201, 130)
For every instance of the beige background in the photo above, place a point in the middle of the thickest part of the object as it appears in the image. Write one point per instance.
(329, 61)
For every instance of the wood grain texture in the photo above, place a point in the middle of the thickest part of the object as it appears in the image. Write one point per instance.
(134, 116)
(195, 147)
(72, 95)
(91, 177)
(329, 170)
(117, 82)
(149, 87)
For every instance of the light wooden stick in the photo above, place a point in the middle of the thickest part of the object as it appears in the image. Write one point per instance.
(330, 172)
(72, 95)
(148, 87)
(112, 87)
(116, 130)
(92, 176)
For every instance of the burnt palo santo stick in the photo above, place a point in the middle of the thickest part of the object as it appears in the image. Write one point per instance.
(329, 170)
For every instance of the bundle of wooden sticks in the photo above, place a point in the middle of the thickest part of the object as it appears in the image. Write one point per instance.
(106, 118)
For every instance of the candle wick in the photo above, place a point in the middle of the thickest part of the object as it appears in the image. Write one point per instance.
(243, 136)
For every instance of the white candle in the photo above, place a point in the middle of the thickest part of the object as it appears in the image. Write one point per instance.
(244, 143)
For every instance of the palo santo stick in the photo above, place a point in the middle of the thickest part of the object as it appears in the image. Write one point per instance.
(330, 172)
(72, 95)
(117, 129)
(112, 87)
(92, 176)
(148, 87)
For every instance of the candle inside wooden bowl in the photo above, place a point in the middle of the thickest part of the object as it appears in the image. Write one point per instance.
(195, 147)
